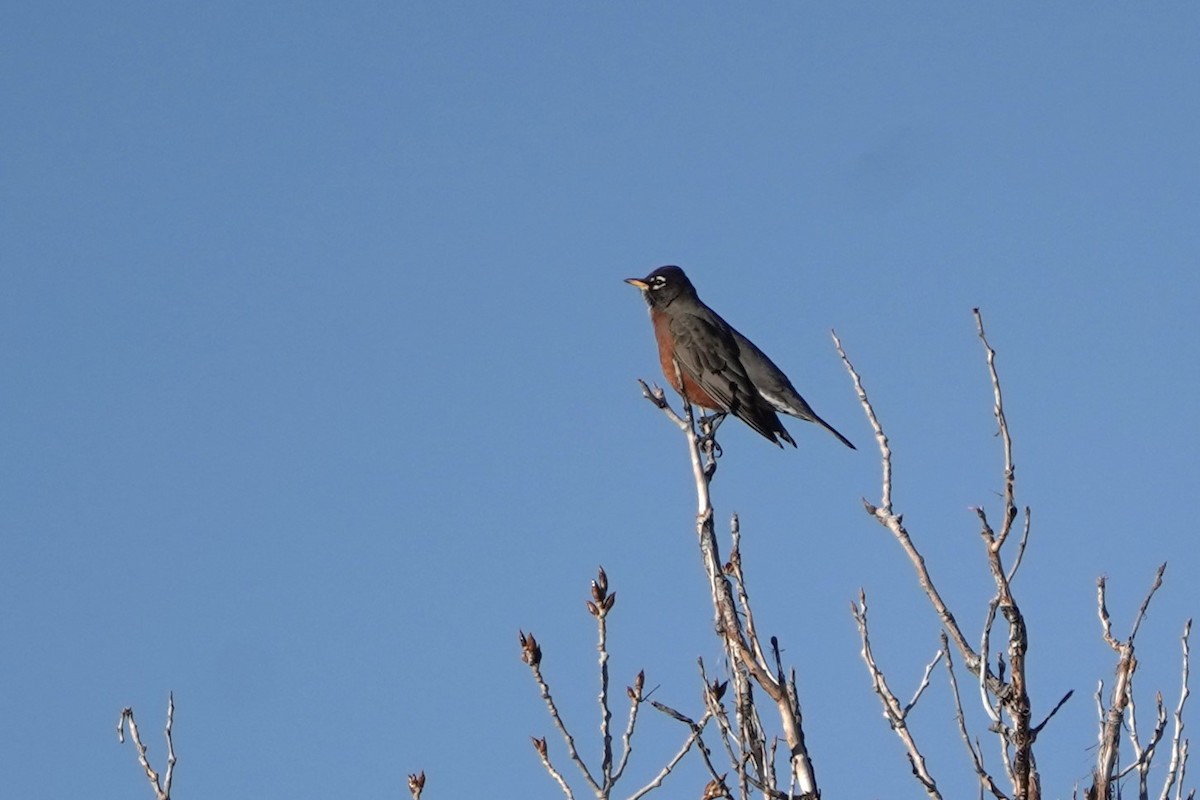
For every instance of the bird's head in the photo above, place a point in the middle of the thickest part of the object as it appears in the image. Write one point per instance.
(663, 285)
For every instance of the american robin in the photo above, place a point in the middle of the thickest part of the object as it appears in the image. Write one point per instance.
(721, 369)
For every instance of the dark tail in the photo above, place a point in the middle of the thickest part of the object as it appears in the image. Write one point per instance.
(834, 431)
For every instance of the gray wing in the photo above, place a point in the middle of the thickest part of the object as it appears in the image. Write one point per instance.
(708, 351)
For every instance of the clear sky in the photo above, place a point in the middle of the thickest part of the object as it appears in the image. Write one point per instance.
(320, 374)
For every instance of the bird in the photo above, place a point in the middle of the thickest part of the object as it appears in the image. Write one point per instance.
(714, 366)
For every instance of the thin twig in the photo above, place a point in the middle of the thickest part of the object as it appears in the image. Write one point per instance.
(998, 410)
(543, 752)
(924, 684)
(986, 781)
(1141, 614)
(734, 568)
(1012, 572)
(993, 712)
(635, 702)
(886, 516)
(162, 790)
(1038, 728)
(1175, 769)
(1013, 698)
(896, 714)
(1105, 772)
(544, 689)
(713, 692)
(740, 650)
(697, 728)
(599, 607)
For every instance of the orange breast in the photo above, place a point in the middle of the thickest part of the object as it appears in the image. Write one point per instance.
(666, 356)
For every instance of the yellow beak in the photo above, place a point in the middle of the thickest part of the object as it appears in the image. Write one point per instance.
(638, 282)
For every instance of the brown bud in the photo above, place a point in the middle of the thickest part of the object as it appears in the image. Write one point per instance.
(416, 782)
(539, 745)
(609, 601)
(635, 691)
(531, 652)
(717, 689)
(600, 585)
(591, 607)
(715, 789)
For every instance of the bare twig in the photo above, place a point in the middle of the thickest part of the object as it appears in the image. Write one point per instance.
(1012, 571)
(998, 410)
(714, 691)
(599, 606)
(635, 701)
(1177, 765)
(1105, 775)
(733, 568)
(1004, 694)
(895, 713)
(162, 790)
(543, 751)
(986, 781)
(744, 651)
(1141, 614)
(886, 516)
(697, 728)
(532, 655)
(993, 711)
(1038, 728)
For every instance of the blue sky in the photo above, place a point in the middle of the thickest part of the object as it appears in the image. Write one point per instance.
(321, 374)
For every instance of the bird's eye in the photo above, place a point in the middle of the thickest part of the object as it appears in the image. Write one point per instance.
(658, 282)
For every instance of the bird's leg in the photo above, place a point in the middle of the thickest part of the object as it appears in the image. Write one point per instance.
(708, 441)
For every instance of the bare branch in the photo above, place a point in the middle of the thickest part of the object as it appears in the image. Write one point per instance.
(162, 790)
(697, 728)
(741, 650)
(893, 711)
(733, 568)
(1003, 694)
(1177, 765)
(1038, 728)
(635, 701)
(1102, 609)
(1141, 614)
(985, 639)
(1012, 697)
(1012, 572)
(986, 781)
(1121, 701)
(599, 606)
(998, 410)
(543, 752)
(885, 516)
(924, 684)
(532, 654)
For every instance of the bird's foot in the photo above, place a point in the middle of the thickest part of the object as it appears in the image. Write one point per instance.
(708, 436)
